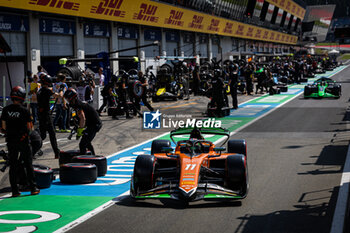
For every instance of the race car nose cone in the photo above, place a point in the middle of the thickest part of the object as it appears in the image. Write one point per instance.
(188, 194)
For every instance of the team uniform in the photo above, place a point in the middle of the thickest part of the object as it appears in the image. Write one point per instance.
(45, 120)
(16, 119)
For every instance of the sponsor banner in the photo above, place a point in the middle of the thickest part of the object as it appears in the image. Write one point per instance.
(146, 12)
(14, 23)
(289, 6)
(96, 29)
(56, 26)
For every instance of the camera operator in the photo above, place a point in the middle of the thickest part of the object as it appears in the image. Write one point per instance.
(17, 124)
(88, 117)
(44, 114)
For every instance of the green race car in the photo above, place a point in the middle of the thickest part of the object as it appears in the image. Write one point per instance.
(323, 88)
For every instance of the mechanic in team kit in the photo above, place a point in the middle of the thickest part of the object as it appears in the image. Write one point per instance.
(17, 125)
(108, 94)
(233, 82)
(88, 117)
(218, 90)
(44, 114)
(122, 96)
(144, 83)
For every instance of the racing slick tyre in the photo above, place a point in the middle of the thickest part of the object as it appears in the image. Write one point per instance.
(78, 173)
(99, 160)
(157, 146)
(337, 92)
(307, 92)
(237, 173)
(238, 146)
(143, 173)
(43, 176)
(67, 156)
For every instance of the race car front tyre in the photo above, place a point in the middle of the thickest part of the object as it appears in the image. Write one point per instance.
(78, 173)
(157, 146)
(43, 176)
(237, 173)
(99, 160)
(143, 173)
(238, 146)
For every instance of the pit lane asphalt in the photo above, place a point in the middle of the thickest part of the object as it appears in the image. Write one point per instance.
(295, 159)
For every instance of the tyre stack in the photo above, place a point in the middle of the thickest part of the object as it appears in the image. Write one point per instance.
(82, 169)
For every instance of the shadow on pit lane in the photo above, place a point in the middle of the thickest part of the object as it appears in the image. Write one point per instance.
(312, 214)
(331, 160)
(176, 204)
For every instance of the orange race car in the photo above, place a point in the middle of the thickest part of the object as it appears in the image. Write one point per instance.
(197, 169)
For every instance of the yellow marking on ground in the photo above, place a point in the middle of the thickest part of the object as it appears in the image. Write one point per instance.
(181, 105)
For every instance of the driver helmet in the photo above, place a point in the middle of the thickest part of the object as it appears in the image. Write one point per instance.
(196, 133)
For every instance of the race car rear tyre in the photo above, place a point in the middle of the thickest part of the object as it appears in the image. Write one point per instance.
(237, 173)
(238, 146)
(43, 176)
(99, 160)
(67, 156)
(143, 173)
(78, 173)
(157, 146)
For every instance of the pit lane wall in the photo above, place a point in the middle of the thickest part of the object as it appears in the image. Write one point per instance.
(59, 207)
(151, 13)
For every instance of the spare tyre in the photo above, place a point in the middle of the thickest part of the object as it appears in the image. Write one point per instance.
(137, 88)
(43, 176)
(73, 72)
(99, 160)
(78, 173)
(66, 156)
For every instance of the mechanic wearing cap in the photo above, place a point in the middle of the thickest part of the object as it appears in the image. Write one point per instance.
(88, 117)
(45, 120)
(17, 125)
